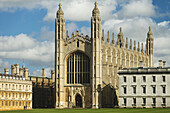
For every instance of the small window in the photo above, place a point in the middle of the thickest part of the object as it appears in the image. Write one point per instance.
(2, 103)
(134, 100)
(154, 89)
(154, 78)
(124, 101)
(124, 78)
(164, 89)
(134, 78)
(164, 100)
(154, 100)
(144, 78)
(134, 90)
(144, 89)
(77, 43)
(163, 78)
(144, 100)
(124, 88)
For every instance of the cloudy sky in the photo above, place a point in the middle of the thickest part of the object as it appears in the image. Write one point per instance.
(27, 27)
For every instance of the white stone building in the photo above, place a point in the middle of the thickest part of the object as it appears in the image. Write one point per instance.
(144, 87)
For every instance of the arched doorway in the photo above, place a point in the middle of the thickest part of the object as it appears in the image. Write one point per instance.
(78, 100)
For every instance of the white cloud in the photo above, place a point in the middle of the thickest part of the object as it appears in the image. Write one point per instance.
(137, 8)
(74, 10)
(135, 28)
(164, 23)
(46, 34)
(24, 47)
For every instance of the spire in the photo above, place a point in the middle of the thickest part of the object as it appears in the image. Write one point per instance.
(59, 12)
(150, 33)
(108, 39)
(134, 45)
(138, 47)
(95, 10)
(145, 49)
(142, 48)
(120, 33)
(130, 44)
(126, 43)
(103, 34)
(23, 66)
(120, 40)
(77, 32)
(95, 4)
(59, 6)
(113, 40)
(67, 35)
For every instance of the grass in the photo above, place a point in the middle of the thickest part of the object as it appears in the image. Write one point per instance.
(147, 110)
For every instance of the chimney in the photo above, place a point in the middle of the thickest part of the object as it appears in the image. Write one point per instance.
(43, 72)
(53, 75)
(12, 69)
(26, 73)
(21, 72)
(160, 63)
(164, 63)
(17, 69)
(6, 71)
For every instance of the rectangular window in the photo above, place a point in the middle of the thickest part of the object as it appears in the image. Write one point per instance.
(164, 100)
(154, 100)
(154, 78)
(144, 100)
(124, 88)
(144, 89)
(134, 78)
(124, 79)
(134, 100)
(134, 90)
(154, 90)
(164, 89)
(124, 101)
(163, 78)
(144, 78)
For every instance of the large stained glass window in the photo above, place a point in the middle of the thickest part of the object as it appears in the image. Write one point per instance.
(78, 69)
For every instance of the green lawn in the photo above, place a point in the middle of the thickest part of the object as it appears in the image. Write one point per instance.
(149, 110)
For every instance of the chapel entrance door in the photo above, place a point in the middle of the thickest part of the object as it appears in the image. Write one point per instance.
(78, 101)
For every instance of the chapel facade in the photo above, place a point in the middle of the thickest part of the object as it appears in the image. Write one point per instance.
(86, 68)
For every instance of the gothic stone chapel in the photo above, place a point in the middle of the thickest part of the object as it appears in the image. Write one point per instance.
(86, 67)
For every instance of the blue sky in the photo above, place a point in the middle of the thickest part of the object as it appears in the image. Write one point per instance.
(27, 27)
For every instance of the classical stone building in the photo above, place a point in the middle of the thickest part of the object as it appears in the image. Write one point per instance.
(15, 92)
(86, 67)
(19, 90)
(144, 87)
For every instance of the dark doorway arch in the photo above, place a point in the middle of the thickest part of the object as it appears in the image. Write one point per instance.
(78, 100)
